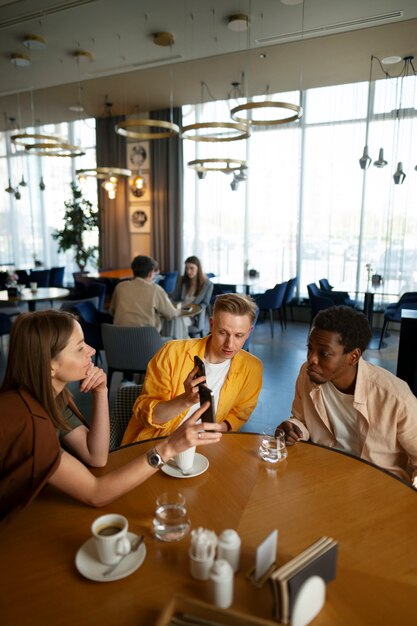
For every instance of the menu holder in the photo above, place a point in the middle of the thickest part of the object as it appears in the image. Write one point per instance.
(319, 559)
(183, 611)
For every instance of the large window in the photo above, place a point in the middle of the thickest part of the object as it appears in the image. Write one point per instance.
(27, 222)
(307, 209)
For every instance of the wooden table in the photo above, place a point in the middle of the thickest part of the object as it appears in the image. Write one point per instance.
(315, 492)
(42, 294)
(116, 275)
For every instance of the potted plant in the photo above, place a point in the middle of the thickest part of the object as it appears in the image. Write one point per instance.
(80, 217)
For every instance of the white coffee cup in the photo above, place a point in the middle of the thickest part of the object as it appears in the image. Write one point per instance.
(185, 460)
(33, 287)
(110, 534)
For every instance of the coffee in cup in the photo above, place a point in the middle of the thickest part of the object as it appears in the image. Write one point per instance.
(110, 534)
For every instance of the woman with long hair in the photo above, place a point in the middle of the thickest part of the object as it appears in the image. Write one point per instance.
(42, 436)
(194, 287)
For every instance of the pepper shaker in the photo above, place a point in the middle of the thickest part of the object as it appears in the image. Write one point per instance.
(229, 548)
(221, 579)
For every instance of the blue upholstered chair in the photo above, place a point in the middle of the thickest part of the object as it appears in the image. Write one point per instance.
(272, 300)
(168, 281)
(392, 311)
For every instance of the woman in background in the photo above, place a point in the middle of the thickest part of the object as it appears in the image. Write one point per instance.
(194, 287)
(42, 437)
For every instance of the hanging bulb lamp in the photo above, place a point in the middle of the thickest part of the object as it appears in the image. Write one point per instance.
(365, 160)
(23, 183)
(42, 185)
(137, 186)
(380, 162)
(399, 175)
(9, 189)
(132, 128)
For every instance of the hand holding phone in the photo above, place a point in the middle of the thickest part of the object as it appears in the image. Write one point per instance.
(201, 367)
(206, 395)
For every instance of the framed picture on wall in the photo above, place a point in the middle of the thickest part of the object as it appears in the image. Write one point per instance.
(142, 193)
(140, 218)
(138, 157)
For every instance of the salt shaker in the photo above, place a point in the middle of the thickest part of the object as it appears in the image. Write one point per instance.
(221, 579)
(229, 548)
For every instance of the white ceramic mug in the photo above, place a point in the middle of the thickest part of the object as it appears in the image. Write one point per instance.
(110, 534)
(33, 287)
(185, 460)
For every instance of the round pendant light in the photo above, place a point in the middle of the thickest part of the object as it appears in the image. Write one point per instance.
(227, 166)
(27, 139)
(55, 149)
(132, 128)
(245, 113)
(216, 131)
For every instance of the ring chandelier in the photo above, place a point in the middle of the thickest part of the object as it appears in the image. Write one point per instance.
(251, 107)
(227, 166)
(131, 128)
(55, 149)
(227, 131)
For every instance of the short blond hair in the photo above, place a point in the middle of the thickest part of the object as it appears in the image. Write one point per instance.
(236, 304)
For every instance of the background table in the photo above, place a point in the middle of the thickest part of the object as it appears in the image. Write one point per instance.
(42, 294)
(315, 492)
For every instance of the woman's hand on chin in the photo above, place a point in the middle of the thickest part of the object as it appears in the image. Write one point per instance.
(95, 380)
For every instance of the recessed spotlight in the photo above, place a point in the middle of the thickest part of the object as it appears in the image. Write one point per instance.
(163, 39)
(20, 60)
(262, 55)
(292, 2)
(34, 42)
(391, 60)
(83, 56)
(238, 23)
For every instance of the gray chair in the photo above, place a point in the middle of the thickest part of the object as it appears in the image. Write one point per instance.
(129, 348)
(122, 412)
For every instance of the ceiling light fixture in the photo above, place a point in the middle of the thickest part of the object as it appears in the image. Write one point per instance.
(268, 112)
(110, 176)
(26, 139)
(227, 166)
(145, 128)
(34, 42)
(20, 60)
(53, 149)
(238, 23)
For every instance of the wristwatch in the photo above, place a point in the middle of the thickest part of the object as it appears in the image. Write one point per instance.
(154, 458)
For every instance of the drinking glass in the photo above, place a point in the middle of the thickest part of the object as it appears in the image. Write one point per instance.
(273, 448)
(171, 521)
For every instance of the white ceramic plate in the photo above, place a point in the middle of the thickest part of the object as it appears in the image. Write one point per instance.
(87, 563)
(200, 465)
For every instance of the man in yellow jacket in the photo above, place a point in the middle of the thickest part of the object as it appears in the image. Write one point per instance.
(170, 391)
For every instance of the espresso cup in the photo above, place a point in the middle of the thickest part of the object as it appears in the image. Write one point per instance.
(185, 460)
(110, 534)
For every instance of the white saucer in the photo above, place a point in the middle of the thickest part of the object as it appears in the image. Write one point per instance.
(200, 465)
(88, 565)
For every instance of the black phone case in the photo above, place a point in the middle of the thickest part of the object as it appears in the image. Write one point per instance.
(206, 395)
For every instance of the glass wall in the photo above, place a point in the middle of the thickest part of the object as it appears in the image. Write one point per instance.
(307, 208)
(28, 214)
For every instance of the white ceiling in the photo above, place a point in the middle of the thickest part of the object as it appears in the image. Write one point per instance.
(329, 42)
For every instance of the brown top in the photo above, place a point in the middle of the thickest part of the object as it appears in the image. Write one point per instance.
(29, 450)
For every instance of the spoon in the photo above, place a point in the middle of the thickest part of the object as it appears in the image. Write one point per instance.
(135, 544)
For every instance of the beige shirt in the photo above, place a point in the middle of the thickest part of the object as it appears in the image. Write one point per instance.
(387, 418)
(140, 303)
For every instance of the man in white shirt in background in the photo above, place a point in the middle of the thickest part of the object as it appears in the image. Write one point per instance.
(342, 401)
(141, 302)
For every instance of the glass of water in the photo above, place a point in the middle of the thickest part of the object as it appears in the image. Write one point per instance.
(171, 521)
(273, 448)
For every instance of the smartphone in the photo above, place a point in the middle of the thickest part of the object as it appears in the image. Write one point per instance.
(201, 367)
(206, 395)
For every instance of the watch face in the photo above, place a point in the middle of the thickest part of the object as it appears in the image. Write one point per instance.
(154, 459)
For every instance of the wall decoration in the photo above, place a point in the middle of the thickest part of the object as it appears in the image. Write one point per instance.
(139, 218)
(138, 156)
